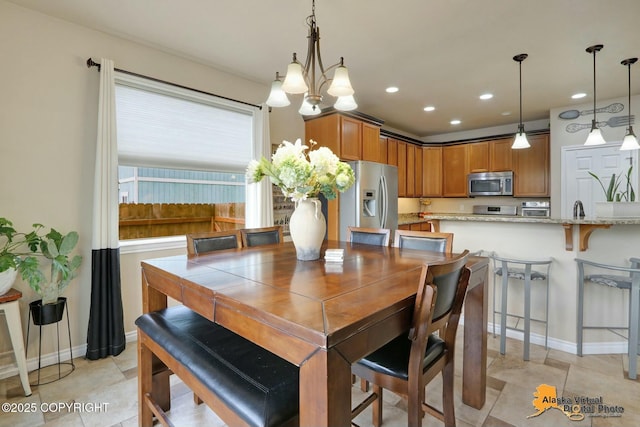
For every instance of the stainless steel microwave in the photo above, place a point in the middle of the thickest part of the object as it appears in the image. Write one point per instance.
(490, 184)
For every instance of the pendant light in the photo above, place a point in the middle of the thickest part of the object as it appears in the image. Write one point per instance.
(277, 96)
(630, 142)
(595, 136)
(521, 138)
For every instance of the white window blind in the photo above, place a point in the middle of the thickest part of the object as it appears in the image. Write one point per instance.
(160, 125)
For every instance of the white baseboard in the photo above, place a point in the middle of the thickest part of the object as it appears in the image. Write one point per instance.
(10, 370)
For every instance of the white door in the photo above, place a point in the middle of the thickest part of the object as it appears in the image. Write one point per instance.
(602, 160)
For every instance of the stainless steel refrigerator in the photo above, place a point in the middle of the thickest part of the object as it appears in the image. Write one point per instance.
(372, 202)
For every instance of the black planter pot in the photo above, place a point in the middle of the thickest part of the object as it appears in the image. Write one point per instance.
(45, 314)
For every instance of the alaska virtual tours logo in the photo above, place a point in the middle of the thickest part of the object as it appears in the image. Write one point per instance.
(575, 408)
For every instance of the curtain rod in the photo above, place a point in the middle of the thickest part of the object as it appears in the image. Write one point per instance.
(91, 63)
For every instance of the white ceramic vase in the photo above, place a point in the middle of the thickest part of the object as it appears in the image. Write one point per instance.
(7, 278)
(307, 227)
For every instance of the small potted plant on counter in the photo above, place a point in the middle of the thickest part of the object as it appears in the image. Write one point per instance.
(620, 201)
(17, 253)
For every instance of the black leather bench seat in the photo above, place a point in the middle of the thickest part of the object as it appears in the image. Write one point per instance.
(259, 386)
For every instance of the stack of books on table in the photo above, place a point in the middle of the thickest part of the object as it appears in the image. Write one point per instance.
(334, 255)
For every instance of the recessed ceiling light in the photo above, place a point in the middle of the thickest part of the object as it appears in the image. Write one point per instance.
(486, 96)
(392, 89)
(578, 95)
(455, 122)
(506, 113)
(429, 108)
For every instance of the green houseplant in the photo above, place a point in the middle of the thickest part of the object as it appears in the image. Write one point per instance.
(17, 253)
(45, 261)
(612, 192)
(620, 197)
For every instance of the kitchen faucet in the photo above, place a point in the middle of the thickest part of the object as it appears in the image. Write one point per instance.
(578, 205)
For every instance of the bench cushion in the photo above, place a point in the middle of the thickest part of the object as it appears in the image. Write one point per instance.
(259, 386)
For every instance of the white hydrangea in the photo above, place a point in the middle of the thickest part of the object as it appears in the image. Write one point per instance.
(324, 161)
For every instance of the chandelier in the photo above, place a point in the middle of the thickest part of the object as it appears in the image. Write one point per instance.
(311, 78)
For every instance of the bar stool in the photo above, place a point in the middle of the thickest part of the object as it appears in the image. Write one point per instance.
(630, 282)
(9, 304)
(522, 270)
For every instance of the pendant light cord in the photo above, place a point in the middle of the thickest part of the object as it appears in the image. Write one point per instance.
(594, 87)
(521, 125)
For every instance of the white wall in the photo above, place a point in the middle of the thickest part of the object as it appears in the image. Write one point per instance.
(48, 133)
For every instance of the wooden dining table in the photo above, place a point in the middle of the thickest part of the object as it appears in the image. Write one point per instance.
(321, 316)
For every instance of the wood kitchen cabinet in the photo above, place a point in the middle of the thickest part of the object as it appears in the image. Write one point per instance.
(371, 143)
(392, 151)
(418, 172)
(402, 169)
(478, 156)
(411, 171)
(500, 155)
(455, 167)
(383, 150)
(531, 168)
(432, 171)
(346, 136)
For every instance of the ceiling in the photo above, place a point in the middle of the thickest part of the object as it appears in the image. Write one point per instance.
(443, 53)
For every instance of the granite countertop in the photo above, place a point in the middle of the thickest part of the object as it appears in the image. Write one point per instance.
(413, 218)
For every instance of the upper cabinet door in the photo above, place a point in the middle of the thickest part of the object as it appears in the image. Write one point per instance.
(455, 168)
(432, 171)
(371, 143)
(351, 148)
(500, 155)
(531, 168)
(478, 157)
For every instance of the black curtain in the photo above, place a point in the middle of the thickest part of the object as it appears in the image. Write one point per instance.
(105, 335)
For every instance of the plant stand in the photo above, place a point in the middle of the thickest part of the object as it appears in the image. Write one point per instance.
(46, 315)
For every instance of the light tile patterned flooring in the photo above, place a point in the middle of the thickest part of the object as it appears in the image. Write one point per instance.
(510, 388)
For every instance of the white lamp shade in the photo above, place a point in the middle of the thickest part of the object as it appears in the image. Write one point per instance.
(595, 137)
(294, 80)
(306, 109)
(520, 141)
(340, 85)
(345, 103)
(277, 97)
(630, 142)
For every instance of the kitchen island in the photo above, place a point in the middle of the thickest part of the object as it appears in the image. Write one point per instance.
(585, 226)
(614, 242)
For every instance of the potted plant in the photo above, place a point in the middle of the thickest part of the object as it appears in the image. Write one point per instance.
(17, 253)
(62, 268)
(620, 202)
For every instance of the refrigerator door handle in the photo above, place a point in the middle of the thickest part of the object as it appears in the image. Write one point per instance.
(385, 201)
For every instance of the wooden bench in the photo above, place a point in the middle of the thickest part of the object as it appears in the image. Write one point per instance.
(243, 383)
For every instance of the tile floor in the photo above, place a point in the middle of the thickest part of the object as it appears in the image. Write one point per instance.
(111, 385)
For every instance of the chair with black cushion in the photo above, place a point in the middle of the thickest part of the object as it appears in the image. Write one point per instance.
(520, 269)
(424, 240)
(262, 236)
(409, 362)
(624, 278)
(369, 236)
(201, 243)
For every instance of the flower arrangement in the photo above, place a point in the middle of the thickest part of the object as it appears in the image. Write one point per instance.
(301, 174)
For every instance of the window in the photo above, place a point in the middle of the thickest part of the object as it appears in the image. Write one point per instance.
(181, 153)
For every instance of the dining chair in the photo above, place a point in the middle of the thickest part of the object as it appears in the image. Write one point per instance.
(369, 236)
(625, 278)
(261, 236)
(424, 240)
(201, 243)
(409, 362)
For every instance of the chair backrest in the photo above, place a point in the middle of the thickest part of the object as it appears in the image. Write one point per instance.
(262, 236)
(369, 236)
(200, 243)
(440, 308)
(424, 240)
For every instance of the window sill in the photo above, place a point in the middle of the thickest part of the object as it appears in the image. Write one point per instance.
(152, 244)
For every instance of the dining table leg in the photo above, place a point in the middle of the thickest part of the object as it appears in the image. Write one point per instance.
(325, 390)
(474, 359)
